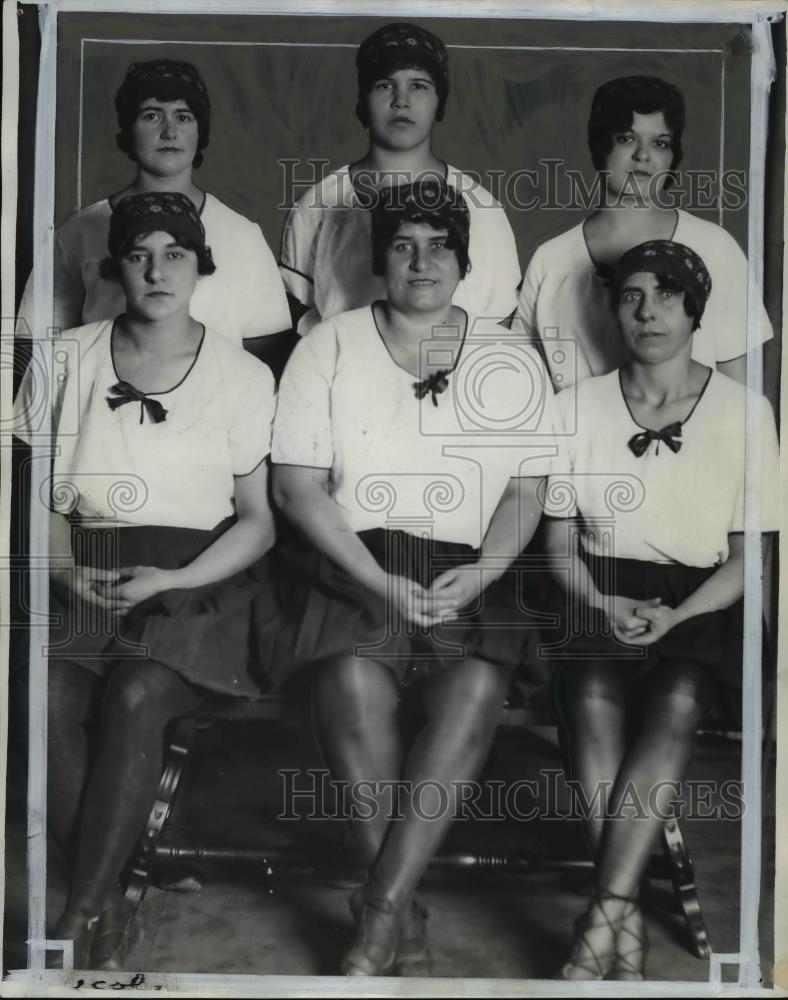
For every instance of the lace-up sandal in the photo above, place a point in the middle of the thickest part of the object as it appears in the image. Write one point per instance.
(605, 910)
(413, 954)
(378, 926)
(632, 948)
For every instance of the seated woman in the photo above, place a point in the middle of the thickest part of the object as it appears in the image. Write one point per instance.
(399, 577)
(656, 590)
(635, 132)
(161, 524)
(164, 118)
(403, 86)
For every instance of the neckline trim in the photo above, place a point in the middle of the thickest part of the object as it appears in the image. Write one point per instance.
(597, 267)
(406, 371)
(686, 419)
(161, 392)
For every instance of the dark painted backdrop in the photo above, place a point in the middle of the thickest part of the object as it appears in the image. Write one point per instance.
(520, 94)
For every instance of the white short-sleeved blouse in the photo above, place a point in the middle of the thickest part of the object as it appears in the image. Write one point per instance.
(664, 506)
(397, 461)
(567, 304)
(243, 298)
(120, 466)
(326, 256)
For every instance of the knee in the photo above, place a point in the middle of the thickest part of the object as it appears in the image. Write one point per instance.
(467, 700)
(595, 712)
(678, 714)
(69, 696)
(130, 693)
(358, 699)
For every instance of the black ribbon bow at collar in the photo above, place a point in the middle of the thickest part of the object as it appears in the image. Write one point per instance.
(436, 383)
(671, 435)
(126, 393)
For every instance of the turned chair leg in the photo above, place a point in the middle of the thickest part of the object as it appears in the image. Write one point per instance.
(142, 864)
(682, 876)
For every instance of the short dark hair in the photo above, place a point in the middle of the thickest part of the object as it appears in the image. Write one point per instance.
(162, 80)
(664, 281)
(397, 46)
(615, 105)
(109, 267)
(429, 203)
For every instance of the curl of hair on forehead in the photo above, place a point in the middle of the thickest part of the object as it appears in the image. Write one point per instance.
(668, 283)
(109, 267)
(425, 202)
(615, 105)
(162, 80)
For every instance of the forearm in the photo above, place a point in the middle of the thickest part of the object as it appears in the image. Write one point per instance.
(322, 521)
(568, 567)
(241, 545)
(720, 591)
(61, 556)
(512, 526)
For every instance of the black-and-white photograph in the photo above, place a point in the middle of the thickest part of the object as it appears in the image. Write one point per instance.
(391, 508)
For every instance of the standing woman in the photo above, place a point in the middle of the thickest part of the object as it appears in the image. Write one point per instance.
(660, 591)
(160, 524)
(164, 118)
(403, 86)
(399, 578)
(635, 135)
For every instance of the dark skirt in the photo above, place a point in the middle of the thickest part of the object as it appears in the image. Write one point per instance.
(712, 640)
(204, 634)
(332, 614)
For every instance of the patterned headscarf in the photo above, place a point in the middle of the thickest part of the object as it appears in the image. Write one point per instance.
(166, 80)
(670, 260)
(399, 46)
(429, 201)
(155, 211)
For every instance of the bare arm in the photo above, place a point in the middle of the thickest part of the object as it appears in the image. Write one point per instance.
(510, 530)
(302, 494)
(722, 589)
(736, 368)
(85, 582)
(247, 540)
(570, 570)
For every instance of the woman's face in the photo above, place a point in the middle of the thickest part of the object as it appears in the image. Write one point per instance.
(401, 109)
(164, 137)
(421, 271)
(641, 158)
(653, 320)
(158, 277)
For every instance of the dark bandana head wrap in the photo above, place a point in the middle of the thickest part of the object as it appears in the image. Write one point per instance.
(398, 46)
(166, 80)
(152, 212)
(430, 201)
(671, 260)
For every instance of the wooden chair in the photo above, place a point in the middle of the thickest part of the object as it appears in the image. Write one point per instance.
(156, 850)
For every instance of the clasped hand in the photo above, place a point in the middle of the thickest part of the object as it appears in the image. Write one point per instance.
(115, 590)
(640, 623)
(443, 599)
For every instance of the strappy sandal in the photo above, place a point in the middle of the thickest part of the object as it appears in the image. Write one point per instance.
(413, 953)
(632, 948)
(378, 926)
(594, 964)
(413, 957)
